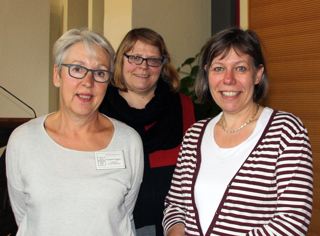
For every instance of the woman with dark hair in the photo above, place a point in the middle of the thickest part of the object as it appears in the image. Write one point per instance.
(145, 96)
(247, 171)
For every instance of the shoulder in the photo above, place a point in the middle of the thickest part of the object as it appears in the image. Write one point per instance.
(286, 128)
(29, 128)
(124, 130)
(26, 135)
(197, 128)
(120, 125)
(201, 123)
(287, 121)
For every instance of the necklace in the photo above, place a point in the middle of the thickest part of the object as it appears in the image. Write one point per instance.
(231, 132)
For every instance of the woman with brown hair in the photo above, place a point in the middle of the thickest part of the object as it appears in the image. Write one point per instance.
(145, 96)
(247, 171)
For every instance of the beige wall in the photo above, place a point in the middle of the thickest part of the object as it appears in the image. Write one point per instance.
(184, 25)
(117, 20)
(57, 8)
(244, 14)
(96, 15)
(29, 29)
(24, 60)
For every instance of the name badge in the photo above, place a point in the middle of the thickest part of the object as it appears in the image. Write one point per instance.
(110, 160)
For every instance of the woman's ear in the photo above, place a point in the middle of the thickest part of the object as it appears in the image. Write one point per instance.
(205, 67)
(56, 76)
(259, 74)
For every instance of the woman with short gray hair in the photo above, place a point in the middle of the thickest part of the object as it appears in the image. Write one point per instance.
(76, 171)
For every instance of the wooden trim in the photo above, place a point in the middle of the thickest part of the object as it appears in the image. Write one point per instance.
(7, 125)
(237, 13)
(12, 122)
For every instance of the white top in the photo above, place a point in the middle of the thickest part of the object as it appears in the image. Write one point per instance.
(219, 165)
(57, 191)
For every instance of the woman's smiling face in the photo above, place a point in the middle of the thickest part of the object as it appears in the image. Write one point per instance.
(142, 79)
(82, 97)
(232, 81)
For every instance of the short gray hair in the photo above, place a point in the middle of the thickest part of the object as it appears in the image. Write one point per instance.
(88, 37)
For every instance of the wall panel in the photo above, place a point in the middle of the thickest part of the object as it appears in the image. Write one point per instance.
(290, 32)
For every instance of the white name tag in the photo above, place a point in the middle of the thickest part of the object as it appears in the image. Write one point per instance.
(110, 160)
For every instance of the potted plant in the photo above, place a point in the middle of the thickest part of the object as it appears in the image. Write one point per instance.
(187, 87)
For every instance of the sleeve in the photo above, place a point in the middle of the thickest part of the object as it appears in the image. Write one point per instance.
(137, 163)
(175, 209)
(294, 176)
(15, 184)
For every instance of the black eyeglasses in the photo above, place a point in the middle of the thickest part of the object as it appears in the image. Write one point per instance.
(136, 60)
(79, 72)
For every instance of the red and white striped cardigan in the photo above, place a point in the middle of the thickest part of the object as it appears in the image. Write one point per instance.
(271, 194)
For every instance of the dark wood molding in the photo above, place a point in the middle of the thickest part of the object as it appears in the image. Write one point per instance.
(7, 221)
(224, 14)
(7, 125)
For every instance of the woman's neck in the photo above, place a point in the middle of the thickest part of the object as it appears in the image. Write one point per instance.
(135, 100)
(77, 134)
(234, 121)
(74, 123)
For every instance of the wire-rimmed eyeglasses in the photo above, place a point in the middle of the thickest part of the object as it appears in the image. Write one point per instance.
(137, 60)
(79, 72)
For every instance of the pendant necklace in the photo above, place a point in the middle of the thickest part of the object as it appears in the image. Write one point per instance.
(231, 132)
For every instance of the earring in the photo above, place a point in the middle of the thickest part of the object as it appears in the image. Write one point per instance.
(56, 85)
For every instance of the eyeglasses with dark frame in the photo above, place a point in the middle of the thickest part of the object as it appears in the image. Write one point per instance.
(79, 72)
(137, 60)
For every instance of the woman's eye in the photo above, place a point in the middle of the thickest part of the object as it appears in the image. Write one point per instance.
(217, 69)
(101, 73)
(241, 68)
(135, 57)
(77, 68)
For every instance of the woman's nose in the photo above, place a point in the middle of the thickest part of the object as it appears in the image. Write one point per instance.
(88, 80)
(144, 64)
(229, 77)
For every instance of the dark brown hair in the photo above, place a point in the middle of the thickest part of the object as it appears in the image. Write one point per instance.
(220, 44)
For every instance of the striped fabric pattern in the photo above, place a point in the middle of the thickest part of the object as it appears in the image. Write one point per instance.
(271, 194)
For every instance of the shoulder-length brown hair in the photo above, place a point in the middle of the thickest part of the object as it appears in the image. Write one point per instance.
(148, 36)
(220, 44)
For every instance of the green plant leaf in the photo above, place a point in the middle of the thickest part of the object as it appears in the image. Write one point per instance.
(189, 80)
(187, 88)
(189, 61)
(194, 71)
